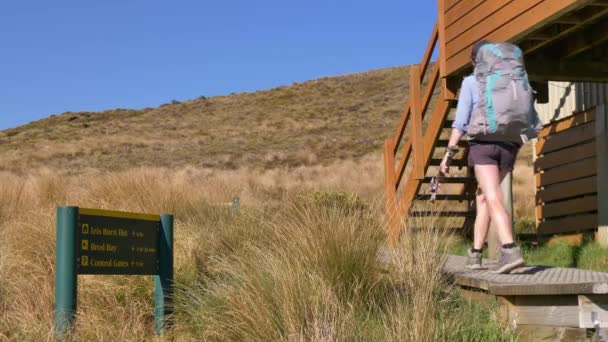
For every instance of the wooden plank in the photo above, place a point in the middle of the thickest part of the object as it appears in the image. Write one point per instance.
(588, 14)
(570, 239)
(534, 333)
(416, 132)
(566, 156)
(569, 207)
(530, 20)
(568, 224)
(446, 197)
(527, 281)
(602, 172)
(432, 82)
(571, 70)
(428, 53)
(593, 308)
(570, 137)
(555, 310)
(460, 10)
(582, 41)
(425, 105)
(470, 20)
(572, 121)
(564, 190)
(441, 36)
(389, 189)
(448, 4)
(432, 132)
(489, 25)
(580, 169)
(453, 180)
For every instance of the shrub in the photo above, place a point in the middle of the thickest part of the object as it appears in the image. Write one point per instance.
(594, 257)
(558, 254)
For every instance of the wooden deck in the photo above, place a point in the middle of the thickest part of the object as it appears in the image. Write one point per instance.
(529, 280)
(537, 297)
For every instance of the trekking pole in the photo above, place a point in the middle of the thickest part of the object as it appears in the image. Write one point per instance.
(436, 180)
(435, 184)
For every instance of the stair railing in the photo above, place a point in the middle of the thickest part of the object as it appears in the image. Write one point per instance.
(418, 145)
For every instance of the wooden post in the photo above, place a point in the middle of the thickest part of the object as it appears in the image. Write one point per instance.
(390, 190)
(506, 187)
(416, 132)
(601, 124)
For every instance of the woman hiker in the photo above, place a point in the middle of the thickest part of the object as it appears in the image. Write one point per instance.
(491, 159)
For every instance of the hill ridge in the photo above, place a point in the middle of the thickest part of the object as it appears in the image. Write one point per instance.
(305, 123)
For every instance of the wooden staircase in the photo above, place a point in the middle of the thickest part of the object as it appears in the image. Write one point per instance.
(419, 154)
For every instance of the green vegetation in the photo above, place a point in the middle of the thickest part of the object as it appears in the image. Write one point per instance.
(292, 269)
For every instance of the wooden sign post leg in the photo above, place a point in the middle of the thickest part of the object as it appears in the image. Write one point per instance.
(163, 281)
(601, 124)
(506, 187)
(65, 270)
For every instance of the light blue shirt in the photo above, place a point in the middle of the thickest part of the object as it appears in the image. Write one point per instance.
(467, 100)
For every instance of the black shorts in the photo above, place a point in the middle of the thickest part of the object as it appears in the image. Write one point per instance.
(500, 154)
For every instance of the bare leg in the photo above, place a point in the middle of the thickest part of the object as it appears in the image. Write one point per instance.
(489, 179)
(482, 222)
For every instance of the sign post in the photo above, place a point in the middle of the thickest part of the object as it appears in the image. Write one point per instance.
(100, 242)
(65, 271)
(163, 282)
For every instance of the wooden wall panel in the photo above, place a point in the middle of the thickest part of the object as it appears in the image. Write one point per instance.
(458, 22)
(567, 138)
(576, 119)
(584, 186)
(488, 25)
(460, 10)
(510, 23)
(566, 175)
(565, 156)
(568, 224)
(569, 207)
(567, 172)
(451, 3)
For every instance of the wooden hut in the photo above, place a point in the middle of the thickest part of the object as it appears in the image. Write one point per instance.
(563, 40)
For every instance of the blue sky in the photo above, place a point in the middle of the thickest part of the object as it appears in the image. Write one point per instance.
(59, 56)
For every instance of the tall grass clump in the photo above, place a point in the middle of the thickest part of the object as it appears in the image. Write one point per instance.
(300, 267)
(594, 257)
(313, 274)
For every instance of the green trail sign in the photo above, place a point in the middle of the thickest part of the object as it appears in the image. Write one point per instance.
(117, 243)
(101, 242)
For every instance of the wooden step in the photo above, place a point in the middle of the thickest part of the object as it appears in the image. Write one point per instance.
(452, 180)
(444, 143)
(455, 162)
(445, 197)
(442, 213)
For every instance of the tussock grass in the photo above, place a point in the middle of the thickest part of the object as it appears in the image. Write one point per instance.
(299, 264)
(594, 257)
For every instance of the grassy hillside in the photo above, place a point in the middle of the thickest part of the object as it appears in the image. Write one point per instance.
(306, 123)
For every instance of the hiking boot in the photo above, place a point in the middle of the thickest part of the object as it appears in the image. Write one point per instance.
(473, 260)
(510, 259)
